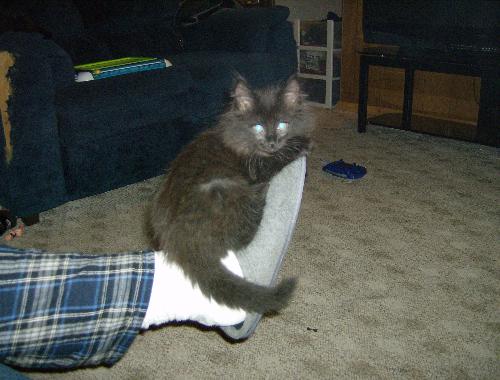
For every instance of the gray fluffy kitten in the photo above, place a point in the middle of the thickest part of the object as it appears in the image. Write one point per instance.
(213, 196)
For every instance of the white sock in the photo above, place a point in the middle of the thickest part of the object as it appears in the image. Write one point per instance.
(174, 298)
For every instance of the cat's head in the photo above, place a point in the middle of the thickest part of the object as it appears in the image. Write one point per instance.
(260, 121)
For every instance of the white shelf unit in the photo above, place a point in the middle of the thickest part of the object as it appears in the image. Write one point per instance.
(319, 59)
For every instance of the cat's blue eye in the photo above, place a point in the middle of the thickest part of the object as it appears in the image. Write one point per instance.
(258, 128)
(282, 126)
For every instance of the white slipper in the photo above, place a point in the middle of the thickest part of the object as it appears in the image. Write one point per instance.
(262, 259)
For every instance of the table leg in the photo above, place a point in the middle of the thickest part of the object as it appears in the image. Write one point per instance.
(363, 94)
(488, 127)
(408, 98)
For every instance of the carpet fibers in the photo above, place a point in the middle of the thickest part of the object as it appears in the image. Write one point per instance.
(398, 272)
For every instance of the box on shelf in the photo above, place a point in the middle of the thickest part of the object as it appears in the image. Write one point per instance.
(312, 62)
(315, 33)
(316, 90)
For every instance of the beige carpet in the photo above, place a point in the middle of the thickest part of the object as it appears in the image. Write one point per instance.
(399, 272)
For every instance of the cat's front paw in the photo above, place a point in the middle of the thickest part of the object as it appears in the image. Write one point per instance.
(306, 147)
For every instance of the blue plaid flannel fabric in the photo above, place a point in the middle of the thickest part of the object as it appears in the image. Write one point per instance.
(71, 310)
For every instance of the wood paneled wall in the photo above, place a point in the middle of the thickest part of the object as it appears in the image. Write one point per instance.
(452, 97)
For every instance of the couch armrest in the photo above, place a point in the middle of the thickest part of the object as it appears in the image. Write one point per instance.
(30, 160)
(246, 30)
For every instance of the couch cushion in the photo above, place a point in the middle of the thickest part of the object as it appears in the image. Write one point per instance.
(258, 68)
(63, 21)
(60, 17)
(213, 72)
(243, 30)
(145, 40)
(138, 28)
(106, 107)
(128, 13)
(85, 49)
(134, 12)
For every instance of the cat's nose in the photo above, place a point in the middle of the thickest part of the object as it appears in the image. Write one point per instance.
(272, 145)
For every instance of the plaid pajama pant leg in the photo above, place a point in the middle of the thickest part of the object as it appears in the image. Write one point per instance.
(71, 310)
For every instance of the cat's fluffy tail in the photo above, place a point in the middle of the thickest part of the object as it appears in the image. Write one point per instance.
(217, 282)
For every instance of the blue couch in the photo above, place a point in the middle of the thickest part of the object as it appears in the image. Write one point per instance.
(61, 140)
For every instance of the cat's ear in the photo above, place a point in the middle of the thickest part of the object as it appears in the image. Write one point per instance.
(292, 96)
(242, 96)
